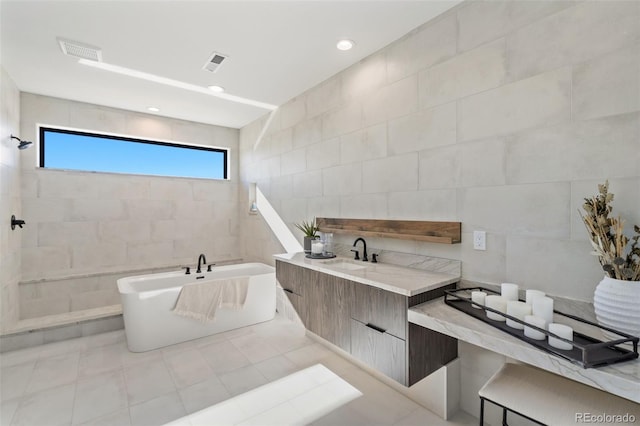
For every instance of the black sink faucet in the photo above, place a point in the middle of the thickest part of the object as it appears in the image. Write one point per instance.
(364, 250)
(202, 259)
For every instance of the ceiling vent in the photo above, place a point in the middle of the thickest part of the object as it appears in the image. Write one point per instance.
(214, 62)
(80, 50)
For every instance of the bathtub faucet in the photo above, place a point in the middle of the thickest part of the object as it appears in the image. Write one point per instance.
(202, 259)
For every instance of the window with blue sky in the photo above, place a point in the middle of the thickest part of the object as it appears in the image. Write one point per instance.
(74, 150)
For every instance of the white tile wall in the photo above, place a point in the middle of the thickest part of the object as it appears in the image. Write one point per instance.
(10, 187)
(515, 111)
(90, 222)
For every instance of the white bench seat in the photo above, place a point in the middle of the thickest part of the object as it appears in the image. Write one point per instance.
(550, 399)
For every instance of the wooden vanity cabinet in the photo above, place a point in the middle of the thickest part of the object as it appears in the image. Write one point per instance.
(321, 300)
(368, 322)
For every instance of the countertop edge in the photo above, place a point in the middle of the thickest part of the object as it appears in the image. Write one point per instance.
(444, 280)
(437, 316)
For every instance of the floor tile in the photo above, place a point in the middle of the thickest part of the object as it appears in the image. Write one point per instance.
(54, 371)
(242, 380)
(203, 394)
(50, 407)
(254, 347)
(283, 414)
(118, 418)
(129, 358)
(276, 367)
(21, 356)
(147, 381)
(223, 357)
(7, 410)
(308, 355)
(15, 380)
(157, 411)
(100, 360)
(99, 395)
(187, 367)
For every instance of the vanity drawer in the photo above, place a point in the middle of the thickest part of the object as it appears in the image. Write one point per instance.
(380, 351)
(290, 277)
(382, 309)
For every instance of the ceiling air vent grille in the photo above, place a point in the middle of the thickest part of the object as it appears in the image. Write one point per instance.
(80, 50)
(214, 62)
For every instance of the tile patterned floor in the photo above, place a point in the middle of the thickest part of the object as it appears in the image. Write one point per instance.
(95, 380)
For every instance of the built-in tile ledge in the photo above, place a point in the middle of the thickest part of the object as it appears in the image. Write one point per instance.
(53, 328)
(622, 379)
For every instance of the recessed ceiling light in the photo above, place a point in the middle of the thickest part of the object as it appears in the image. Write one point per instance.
(345, 44)
(153, 109)
(216, 89)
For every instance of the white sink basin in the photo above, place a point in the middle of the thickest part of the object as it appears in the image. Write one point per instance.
(342, 264)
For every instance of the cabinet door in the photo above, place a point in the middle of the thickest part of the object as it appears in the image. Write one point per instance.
(380, 308)
(379, 350)
(336, 294)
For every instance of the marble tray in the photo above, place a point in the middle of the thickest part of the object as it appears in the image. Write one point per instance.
(587, 351)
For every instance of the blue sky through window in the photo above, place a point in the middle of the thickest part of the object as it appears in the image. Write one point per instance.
(101, 154)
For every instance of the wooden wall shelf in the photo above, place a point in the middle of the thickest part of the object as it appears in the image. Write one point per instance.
(416, 230)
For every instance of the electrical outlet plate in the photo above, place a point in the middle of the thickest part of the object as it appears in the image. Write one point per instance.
(479, 240)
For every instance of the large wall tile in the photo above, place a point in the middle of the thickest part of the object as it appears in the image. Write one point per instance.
(540, 210)
(422, 47)
(395, 100)
(560, 267)
(308, 184)
(390, 174)
(480, 22)
(584, 31)
(437, 204)
(365, 144)
(538, 101)
(342, 180)
(485, 266)
(440, 167)
(364, 206)
(483, 163)
(424, 129)
(607, 85)
(323, 207)
(91, 210)
(342, 120)
(471, 72)
(307, 132)
(364, 77)
(293, 161)
(323, 154)
(293, 112)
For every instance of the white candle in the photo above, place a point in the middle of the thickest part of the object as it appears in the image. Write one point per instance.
(531, 294)
(317, 247)
(498, 303)
(542, 307)
(509, 291)
(563, 331)
(478, 297)
(518, 310)
(538, 322)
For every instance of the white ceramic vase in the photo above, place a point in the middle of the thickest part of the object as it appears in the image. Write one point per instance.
(617, 306)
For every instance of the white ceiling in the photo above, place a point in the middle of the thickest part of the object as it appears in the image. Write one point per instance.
(277, 49)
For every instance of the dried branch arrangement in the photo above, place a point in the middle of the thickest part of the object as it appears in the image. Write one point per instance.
(607, 237)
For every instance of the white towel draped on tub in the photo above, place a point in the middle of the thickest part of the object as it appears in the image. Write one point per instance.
(201, 300)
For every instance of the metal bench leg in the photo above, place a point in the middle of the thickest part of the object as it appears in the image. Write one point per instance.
(481, 411)
(504, 416)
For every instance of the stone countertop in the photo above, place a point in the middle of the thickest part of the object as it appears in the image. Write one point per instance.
(622, 379)
(397, 279)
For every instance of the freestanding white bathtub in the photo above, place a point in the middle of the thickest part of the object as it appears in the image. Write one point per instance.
(148, 301)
